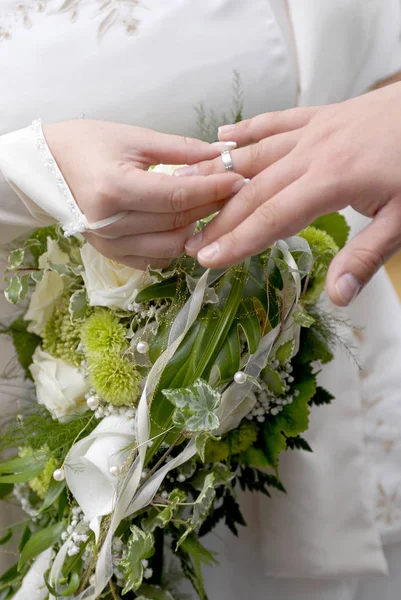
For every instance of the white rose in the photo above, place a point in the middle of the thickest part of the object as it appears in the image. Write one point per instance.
(87, 467)
(109, 283)
(60, 387)
(46, 291)
(33, 585)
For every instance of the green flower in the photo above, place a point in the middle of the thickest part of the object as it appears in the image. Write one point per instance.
(323, 248)
(40, 484)
(114, 378)
(103, 334)
(61, 337)
(233, 443)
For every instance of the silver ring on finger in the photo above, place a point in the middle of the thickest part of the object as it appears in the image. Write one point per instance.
(227, 161)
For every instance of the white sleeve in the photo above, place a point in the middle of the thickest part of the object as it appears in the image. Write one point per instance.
(32, 172)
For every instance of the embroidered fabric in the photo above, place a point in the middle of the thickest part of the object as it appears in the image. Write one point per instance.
(80, 224)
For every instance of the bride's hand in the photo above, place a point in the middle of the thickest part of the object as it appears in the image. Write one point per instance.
(105, 165)
(306, 162)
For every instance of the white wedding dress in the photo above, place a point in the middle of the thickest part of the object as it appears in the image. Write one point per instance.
(153, 63)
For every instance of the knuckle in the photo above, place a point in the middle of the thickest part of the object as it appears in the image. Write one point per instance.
(180, 220)
(257, 152)
(178, 200)
(268, 215)
(369, 260)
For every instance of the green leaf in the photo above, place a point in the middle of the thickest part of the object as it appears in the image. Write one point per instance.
(11, 575)
(140, 547)
(201, 507)
(6, 538)
(16, 258)
(196, 407)
(322, 396)
(285, 351)
(167, 288)
(24, 286)
(5, 489)
(200, 443)
(273, 381)
(290, 422)
(13, 291)
(27, 474)
(194, 556)
(335, 225)
(153, 592)
(255, 457)
(78, 305)
(41, 541)
(53, 492)
(298, 443)
(25, 343)
(159, 518)
(26, 535)
(302, 318)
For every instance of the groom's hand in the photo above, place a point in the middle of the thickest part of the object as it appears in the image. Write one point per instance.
(106, 167)
(306, 162)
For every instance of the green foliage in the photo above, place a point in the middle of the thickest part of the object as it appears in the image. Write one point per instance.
(115, 378)
(161, 518)
(25, 343)
(323, 249)
(290, 422)
(37, 430)
(40, 541)
(195, 407)
(336, 226)
(228, 511)
(201, 507)
(153, 592)
(40, 484)
(232, 443)
(140, 547)
(192, 556)
(322, 396)
(61, 337)
(254, 480)
(298, 443)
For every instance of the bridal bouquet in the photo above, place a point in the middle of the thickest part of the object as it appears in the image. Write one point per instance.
(158, 395)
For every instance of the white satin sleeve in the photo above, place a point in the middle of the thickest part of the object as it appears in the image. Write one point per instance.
(32, 172)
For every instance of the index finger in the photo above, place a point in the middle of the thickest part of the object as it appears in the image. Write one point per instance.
(292, 209)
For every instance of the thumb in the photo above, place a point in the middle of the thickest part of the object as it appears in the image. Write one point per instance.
(362, 257)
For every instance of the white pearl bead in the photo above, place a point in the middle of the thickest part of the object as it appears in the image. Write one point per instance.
(59, 475)
(93, 402)
(240, 377)
(115, 471)
(142, 347)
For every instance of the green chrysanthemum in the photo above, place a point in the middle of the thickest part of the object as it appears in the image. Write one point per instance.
(233, 443)
(114, 378)
(103, 334)
(40, 484)
(61, 337)
(323, 248)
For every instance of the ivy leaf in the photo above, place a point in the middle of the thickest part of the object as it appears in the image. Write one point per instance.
(40, 541)
(335, 225)
(78, 304)
(285, 351)
(140, 547)
(201, 507)
(153, 592)
(16, 258)
(14, 290)
(162, 518)
(302, 318)
(273, 381)
(196, 406)
(25, 344)
(290, 422)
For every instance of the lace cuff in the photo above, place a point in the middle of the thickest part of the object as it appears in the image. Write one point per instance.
(30, 168)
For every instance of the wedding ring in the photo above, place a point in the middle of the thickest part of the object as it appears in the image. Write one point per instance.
(227, 161)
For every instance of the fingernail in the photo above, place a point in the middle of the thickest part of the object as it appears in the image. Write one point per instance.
(209, 252)
(185, 171)
(226, 129)
(238, 185)
(347, 288)
(193, 243)
(225, 145)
